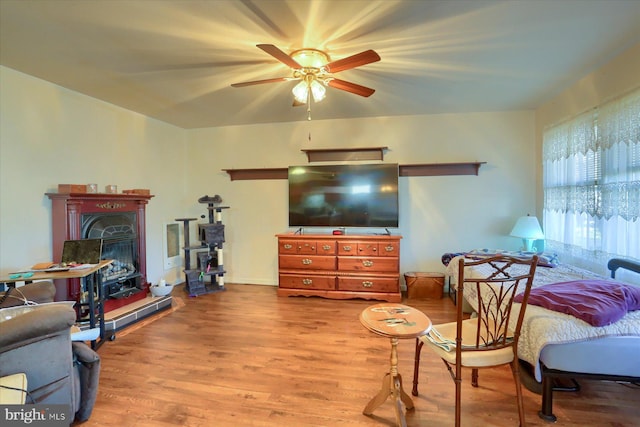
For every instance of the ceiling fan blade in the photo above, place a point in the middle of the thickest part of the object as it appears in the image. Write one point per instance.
(351, 87)
(357, 60)
(297, 103)
(259, 82)
(280, 55)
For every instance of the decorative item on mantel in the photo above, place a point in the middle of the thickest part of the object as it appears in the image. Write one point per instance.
(72, 188)
(141, 191)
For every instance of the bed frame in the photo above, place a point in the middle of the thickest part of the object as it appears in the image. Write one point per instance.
(550, 375)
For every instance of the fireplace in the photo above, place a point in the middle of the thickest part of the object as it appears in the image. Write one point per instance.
(121, 279)
(118, 219)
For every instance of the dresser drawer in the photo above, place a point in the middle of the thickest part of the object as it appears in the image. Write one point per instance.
(347, 247)
(368, 249)
(310, 247)
(326, 248)
(355, 248)
(287, 246)
(301, 281)
(306, 248)
(382, 264)
(368, 284)
(391, 249)
(307, 262)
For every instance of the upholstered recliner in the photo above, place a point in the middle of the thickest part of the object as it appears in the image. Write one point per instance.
(36, 340)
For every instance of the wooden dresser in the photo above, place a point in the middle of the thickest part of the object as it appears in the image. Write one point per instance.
(340, 267)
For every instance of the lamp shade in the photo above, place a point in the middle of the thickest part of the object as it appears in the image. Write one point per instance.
(527, 227)
(301, 92)
(317, 90)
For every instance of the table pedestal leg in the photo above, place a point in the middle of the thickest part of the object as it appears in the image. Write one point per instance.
(392, 386)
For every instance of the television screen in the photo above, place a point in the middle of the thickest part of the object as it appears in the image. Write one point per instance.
(362, 195)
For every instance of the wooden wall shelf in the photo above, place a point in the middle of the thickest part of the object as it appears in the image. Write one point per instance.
(425, 169)
(440, 169)
(264, 173)
(345, 154)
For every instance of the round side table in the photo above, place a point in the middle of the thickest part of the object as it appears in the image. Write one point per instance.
(395, 321)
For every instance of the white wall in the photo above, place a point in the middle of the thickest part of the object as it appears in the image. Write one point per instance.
(615, 78)
(50, 135)
(437, 214)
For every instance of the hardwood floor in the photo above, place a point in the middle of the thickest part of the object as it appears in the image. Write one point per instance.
(245, 357)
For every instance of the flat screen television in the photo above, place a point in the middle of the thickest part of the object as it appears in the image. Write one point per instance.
(360, 195)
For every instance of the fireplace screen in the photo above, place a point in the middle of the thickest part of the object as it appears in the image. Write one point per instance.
(123, 253)
(118, 234)
(109, 226)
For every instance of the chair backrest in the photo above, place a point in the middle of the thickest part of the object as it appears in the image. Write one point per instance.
(489, 285)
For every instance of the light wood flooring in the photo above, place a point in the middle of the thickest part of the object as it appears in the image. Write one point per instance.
(245, 357)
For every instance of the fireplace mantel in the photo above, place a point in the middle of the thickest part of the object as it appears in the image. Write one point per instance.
(67, 210)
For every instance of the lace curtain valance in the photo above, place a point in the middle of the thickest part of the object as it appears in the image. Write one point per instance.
(591, 163)
(576, 136)
(619, 123)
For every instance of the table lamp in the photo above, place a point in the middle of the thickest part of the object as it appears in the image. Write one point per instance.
(528, 229)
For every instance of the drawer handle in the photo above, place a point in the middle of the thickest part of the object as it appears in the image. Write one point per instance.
(306, 261)
(287, 246)
(367, 263)
(389, 248)
(307, 282)
(346, 248)
(326, 247)
(367, 284)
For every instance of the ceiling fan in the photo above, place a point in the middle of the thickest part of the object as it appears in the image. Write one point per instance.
(312, 67)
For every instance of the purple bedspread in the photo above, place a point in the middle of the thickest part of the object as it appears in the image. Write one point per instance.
(597, 302)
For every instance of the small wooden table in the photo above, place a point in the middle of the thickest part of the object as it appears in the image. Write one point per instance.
(395, 321)
(91, 283)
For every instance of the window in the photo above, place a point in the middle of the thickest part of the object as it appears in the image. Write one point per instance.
(591, 180)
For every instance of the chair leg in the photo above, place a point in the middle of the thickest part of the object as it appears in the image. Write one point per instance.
(416, 366)
(515, 370)
(458, 382)
(474, 377)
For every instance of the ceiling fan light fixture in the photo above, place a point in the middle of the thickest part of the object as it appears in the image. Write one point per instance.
(310, 58)
(317, 90)
(309, 85)
(301, 92)
(315, 71)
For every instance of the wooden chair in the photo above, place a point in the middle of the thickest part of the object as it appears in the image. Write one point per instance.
(490, 336)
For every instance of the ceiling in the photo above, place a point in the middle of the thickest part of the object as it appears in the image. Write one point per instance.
(175, 60)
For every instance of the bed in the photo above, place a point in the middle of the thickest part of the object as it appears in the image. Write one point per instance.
(554, 345)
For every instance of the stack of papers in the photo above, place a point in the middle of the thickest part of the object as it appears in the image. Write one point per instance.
(52, 266)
